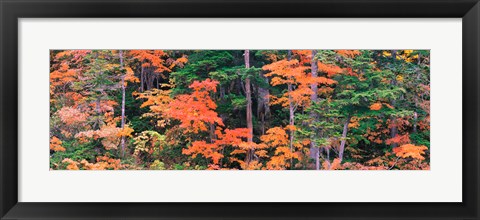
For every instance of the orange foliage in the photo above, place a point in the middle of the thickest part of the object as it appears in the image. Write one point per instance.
(410, 150)
(348, 53)
(335, 165)
(71, 116)
(388, 106)
(329, 69)
(387, 162)
(291, 72)
(158, 100)
(280, 160)
(75, 56)
(75, 97)
(62, 76)
(376, 106)
(104, 106)
(72, 165)
(277, 138)
(354, 122)
(159, 60)
(178, 62)
(270, 56)
(252, 165)
(130, 76)
(402, 124)
(399, 139)
(102, 163)
(304, 56)
(152, 58)
(206, 149)
(196, 111)
(285, 71)
(376, 136)
(125, 132)
(56, 144)
(110, 135)
(231, 137)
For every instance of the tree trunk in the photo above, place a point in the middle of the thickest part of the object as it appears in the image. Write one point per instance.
(263, 107)
(150, 80)
(212, 133)
(262, 127)
(393, 130)
(142, 78)
(291, 111)
(248, 94)
(313, 115)
(415, 114)
(123, 104)
(344, 136)
(292, 114)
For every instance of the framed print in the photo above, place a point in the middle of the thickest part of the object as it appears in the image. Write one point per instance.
(247, 110)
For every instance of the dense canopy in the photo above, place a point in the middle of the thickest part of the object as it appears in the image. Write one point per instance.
(240, 109)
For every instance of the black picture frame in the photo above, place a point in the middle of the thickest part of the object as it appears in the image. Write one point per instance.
(11, 10)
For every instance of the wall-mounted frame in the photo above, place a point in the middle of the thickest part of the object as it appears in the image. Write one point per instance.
(12, 11)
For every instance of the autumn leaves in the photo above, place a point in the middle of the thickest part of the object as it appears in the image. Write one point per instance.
(252, 110)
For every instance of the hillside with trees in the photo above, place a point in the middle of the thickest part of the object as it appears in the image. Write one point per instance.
(240, 109)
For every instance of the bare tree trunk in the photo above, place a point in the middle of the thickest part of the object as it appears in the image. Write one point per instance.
(149, 80)
(248, 94)
(327, 149)
(222, 92)
(291, 112)
(212, 132)
(344, 136)
(314, 99)
(393, 130)
(123, 104)
(314, 68)
(142, 78)
(415, 115)
(263, 107)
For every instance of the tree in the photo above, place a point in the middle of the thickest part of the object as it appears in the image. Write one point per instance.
(122, 126)
(314, 151)
(299, 86)
(277, 139)
(289, 72)
(196, 111)
(248, 93)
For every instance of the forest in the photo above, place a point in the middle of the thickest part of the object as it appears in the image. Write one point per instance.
(239, 109)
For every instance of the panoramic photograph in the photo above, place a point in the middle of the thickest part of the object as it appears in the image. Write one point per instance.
(240, 109)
